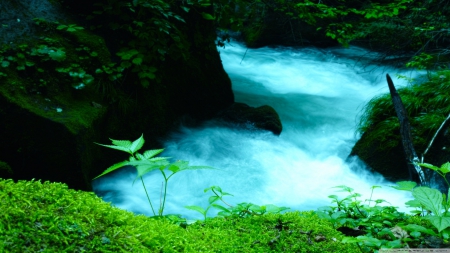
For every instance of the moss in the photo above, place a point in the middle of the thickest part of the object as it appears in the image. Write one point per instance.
(380, 146)
(49, 217)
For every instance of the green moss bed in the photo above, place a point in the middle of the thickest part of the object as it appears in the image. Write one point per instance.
(49, 217)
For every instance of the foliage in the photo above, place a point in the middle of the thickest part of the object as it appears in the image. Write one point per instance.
(49, 217)
(427, 105)
(241, 210)
(51, 62)
(147, 162)
(382, 226)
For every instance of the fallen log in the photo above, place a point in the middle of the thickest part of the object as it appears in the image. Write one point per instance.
(415, 171)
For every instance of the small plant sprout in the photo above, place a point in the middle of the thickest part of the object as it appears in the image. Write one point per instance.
(240, 210)
(147, 162)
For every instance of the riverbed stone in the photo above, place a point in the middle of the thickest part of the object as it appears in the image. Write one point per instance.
(262, 117)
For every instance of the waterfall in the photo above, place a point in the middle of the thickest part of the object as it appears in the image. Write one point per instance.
(318, 95)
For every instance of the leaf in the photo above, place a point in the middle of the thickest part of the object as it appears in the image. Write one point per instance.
(196, 208)
(112, 168)
(125, 149)
(344, 188)
(213, 199)
(418, 228)
(275, 209)
(431, 199)
(125, 144)
(137, 61)
(137, 144)
(405, 185)
(5, 64)
(440, 223)
(151, 153)
(429, 166)
(445, 168)
(207, 16)
(413, 203)
(224, 209)
(145, 166)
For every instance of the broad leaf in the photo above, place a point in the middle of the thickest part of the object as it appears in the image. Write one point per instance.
(431, 199)
(440, 223)
(405, 185)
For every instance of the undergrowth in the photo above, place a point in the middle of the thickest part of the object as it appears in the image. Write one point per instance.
(427, 105)
(49, 217)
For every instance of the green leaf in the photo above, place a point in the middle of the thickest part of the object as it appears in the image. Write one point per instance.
(137, 61)
(5, 64)
(60, 27)
(418, 228)
(207, 16)
(137, 144)
(125, 149)
(145, 166)
(112, 168)
(413, 203)
(440, 223)
(196, 208)
(405, 185)
(121, 143)
(213, 199)
(429, 166)
(275, 209)
(224, 209)
(395, 11)
(151, 153)
(445, 168)
(431, 199)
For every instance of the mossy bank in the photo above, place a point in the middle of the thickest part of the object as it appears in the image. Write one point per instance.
(428, 105)
(49, 217)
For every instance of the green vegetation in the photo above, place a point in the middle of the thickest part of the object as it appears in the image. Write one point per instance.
(49, 217)
(427, 105)
(241, 210)
(146, 162)
(374, 227)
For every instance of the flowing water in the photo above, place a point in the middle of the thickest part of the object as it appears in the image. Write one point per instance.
(318, 95)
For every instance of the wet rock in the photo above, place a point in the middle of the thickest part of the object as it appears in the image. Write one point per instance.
(263, 117)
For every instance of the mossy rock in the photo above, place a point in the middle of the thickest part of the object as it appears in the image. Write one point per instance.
(49, 217)
(52, 122)
(380, 146)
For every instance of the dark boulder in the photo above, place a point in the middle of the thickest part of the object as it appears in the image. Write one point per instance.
(263, 117)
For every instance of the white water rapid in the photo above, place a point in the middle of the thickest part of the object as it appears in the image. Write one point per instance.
(318, 95)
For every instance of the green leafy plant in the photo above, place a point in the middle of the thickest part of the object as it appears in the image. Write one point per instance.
(70, 28)
(147, 162)
(241, 210)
